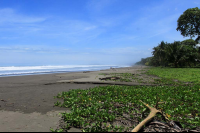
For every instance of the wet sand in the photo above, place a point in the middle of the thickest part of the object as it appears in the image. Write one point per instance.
(27, 103)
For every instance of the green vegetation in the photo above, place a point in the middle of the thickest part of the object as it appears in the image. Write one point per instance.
(163, 74)
(100, 108)
(96, 108)
(191, 75)
(188, 23)
(177, 54)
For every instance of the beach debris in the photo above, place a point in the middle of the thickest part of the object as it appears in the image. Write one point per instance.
(110, 78)
(86, 71)
(3, 100)
(152, 114)
(157, 126)
(171, 125)
(9, 104)
(113, 69)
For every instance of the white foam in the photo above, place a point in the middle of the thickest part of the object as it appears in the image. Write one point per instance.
(25, 70)
(46, 67)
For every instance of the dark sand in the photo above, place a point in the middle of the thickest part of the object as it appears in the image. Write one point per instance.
(27, 103)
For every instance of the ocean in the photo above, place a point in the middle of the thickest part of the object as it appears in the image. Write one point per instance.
(7, 71)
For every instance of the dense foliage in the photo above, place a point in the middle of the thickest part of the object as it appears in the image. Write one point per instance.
(189, 23)
(177, 54)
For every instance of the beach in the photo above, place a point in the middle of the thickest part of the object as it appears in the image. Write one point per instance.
(27, 102)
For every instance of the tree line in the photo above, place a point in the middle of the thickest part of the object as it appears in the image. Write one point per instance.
(179, 53)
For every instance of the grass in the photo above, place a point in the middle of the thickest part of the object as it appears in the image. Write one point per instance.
(129, 77)
(102, 108)
(181, 74)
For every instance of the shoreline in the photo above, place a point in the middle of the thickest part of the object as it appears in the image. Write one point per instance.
(53, 71)
(27, 103)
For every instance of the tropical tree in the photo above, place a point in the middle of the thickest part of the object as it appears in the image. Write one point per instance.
(189, 42)
(153, 61)
(190, 51)
(175, 54)
(144, 61)
(189, 23)
(159, 53)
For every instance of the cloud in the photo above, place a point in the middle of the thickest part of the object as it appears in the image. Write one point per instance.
(14, 25)
(120, 50)
(8, 38)
(42, 30)
(150, 49)
(26, 49)
(71, 31)
(8, 15)
(90, 28)
(70, 27)
(159, 32)
(44, 55)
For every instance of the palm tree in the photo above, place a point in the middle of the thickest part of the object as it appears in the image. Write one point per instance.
(159, 53)
(175, 53)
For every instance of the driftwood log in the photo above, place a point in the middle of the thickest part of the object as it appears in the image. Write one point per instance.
(152, 114)
(171, 126)
(110, 78)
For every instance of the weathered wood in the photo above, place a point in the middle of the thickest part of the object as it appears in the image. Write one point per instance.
(110, 78)
(152, 114)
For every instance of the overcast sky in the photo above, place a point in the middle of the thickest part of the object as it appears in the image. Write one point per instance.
(75, 32)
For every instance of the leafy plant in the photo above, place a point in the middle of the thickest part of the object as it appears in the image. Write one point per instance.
(97, 109)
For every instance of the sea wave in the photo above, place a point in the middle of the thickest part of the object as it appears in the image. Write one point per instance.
(47, 67)
(32, 70)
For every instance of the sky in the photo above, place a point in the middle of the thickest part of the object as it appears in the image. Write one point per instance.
(86, 32)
